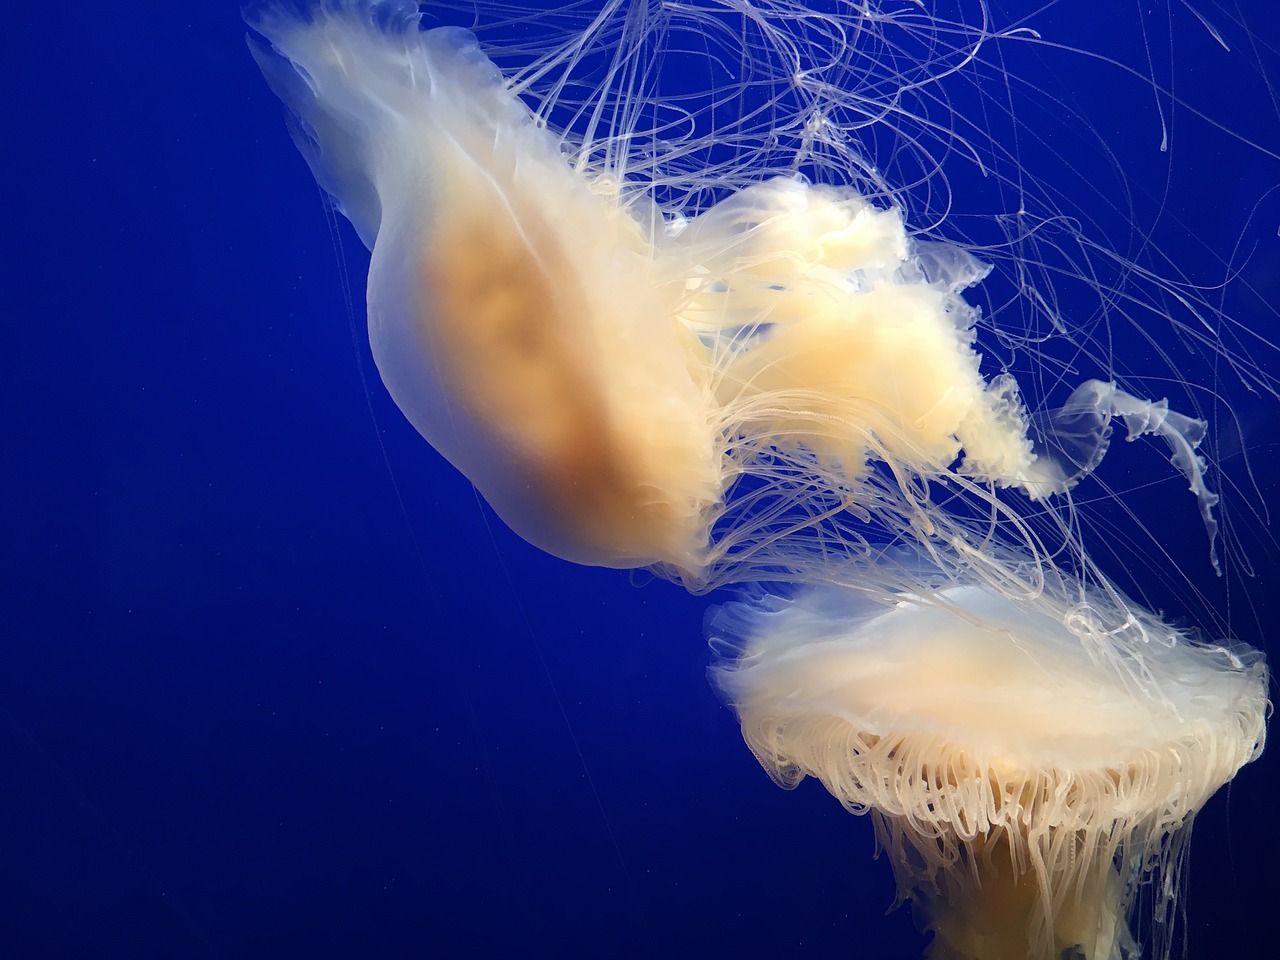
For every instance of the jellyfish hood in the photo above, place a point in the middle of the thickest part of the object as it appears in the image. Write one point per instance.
(1027, 763)
(509, 312)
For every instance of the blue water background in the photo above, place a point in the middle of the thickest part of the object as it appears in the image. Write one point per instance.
(275, 682)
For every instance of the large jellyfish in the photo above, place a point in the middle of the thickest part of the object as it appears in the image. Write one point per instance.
(1030, 768)
(721, 373)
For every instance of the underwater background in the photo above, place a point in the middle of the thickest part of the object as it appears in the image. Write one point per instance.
(274, 680)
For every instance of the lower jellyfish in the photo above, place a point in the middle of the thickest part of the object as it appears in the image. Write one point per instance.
(1030, 767)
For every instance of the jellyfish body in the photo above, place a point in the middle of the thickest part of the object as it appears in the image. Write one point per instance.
(1029, 766)
(714, 391)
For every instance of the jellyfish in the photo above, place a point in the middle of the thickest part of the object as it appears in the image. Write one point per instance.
(721, 373)
(1030, 767)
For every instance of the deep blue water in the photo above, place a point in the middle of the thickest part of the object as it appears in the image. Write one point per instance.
(274, 681)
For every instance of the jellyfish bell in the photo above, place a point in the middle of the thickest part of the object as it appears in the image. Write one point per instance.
(509, 313)
(644, 357)
(1030, 766)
